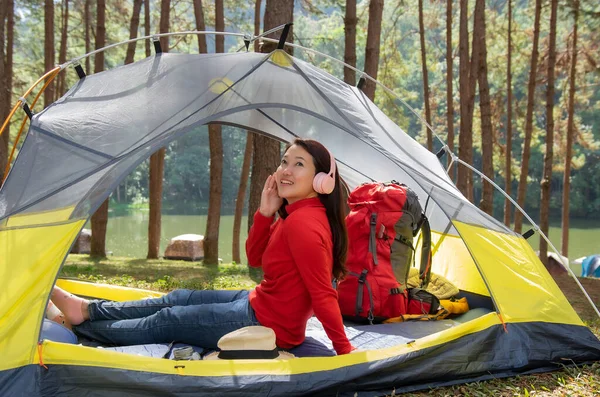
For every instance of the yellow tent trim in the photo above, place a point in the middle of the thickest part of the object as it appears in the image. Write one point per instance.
(68, 354)
(104, 291)
(40, 218)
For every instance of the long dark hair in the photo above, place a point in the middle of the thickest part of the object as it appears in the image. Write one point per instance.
(334, 204)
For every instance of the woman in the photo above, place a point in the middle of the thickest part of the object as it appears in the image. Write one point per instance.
(300, 254)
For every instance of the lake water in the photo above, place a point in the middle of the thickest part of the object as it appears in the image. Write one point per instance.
(127, 235)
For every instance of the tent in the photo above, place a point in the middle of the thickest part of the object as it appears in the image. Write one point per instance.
(78, 149)
(590, 267)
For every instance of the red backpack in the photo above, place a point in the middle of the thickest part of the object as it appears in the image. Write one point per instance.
(383, 220)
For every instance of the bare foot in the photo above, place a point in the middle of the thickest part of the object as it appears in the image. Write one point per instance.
(53, 314)
(74, 308)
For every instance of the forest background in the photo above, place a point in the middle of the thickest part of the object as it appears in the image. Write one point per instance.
(527, 103)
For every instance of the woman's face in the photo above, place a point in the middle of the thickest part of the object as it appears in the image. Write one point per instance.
(295, 175)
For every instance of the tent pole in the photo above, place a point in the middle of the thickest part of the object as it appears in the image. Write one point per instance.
(253, 38)
(149, 37)
(50, 75)
(535, 227)
(363, 74)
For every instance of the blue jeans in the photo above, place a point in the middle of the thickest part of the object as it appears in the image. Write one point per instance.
(197, 318)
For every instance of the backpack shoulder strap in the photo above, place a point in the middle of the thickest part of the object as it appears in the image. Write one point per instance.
(425, 268)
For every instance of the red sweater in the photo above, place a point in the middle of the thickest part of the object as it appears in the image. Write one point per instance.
(296, 256)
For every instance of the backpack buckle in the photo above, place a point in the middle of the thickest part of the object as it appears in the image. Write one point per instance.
(363, 276)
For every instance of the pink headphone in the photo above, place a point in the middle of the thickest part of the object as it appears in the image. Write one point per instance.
(325, 183)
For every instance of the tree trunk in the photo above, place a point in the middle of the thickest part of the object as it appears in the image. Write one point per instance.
(549, 155)
(219, 26)
(100, 217)
(165, 15)
(425, 77)
(86, 24)
(463, 138)
(8, 67)
(200, 26)
(468, 80)
(99, 224)
(570, 133)
(100, 35)
(350, 21)
(508, 154)
(372, 47)
(245, 173)
(256, 26)
(147, 27)
(239, 203)
(211, 236)
(62, 54)
(49, 48)
(6, 53)
(449, 88)
(155, 204)
(487, 131)
(133, 31)
(522, 190)
(266, 154)
(157, 160)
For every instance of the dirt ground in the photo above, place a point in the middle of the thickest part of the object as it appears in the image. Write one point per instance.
(574, 294)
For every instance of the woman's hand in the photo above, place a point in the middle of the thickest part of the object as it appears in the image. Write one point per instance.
(269, 198)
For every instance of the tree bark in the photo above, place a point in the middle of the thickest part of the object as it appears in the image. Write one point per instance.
(449, 88)
(6, 66)
(157, 160)
(62, 54)
(508, 154)
(487, 130)
(239, 203)
(200, 26)
(372, 46)
(215, 139)
(155, 205)
(469, 70)
(219, 26)
(147, 27)
(266, 155)
(570, 133)
(86, 24)
(463, 141)
(165, 15)
(522, 190)
(425, 77)
(350, 22)
(100, 217)
(257, 4)
(100, 35)
(49, 48)
(133, 31)
(245, 173)
(549, 155)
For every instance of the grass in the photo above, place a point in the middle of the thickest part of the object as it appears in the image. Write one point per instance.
(159, 275)
(164, 275)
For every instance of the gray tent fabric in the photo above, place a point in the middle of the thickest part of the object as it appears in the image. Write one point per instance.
(80, 147)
